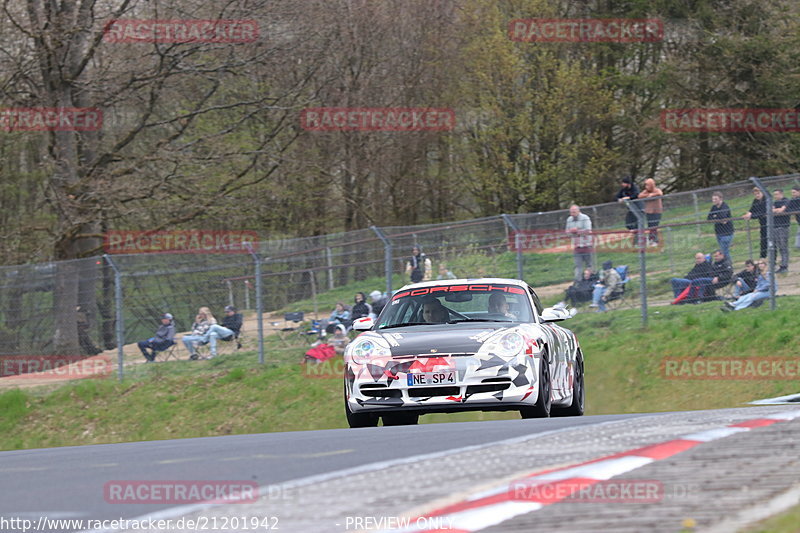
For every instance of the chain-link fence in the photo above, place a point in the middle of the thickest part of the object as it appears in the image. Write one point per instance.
(106, 304)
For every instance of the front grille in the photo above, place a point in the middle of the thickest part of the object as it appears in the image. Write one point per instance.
(489, 387)
(424, 392)
(382, 393)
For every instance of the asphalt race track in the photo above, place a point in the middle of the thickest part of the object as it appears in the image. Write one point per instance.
(731, 466)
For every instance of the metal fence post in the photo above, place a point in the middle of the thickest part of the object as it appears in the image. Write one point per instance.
(120, 318)
(697, 214)
(517, 244)
(387, 256)
(636, 209)
(259, 304)
(329, 260)
(770, 240)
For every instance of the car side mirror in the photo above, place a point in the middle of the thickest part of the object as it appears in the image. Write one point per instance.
(557, 314)
(363, 324)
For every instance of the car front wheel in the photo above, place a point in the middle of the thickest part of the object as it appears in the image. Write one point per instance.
(542, 407)
(359, 420)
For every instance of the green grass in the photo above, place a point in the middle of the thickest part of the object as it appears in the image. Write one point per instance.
(786, 522)
(233, 394)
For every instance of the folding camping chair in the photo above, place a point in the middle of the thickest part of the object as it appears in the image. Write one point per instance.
(163, 356)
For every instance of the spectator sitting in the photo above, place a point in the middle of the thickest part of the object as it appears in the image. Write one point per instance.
(378, 303)
(608, 282)
(340, 315)
(721, 269)
(360, 308)
(229, 330)
(339, 340)
(202, 323)
(746, 279)
(693, 287)
(581, 291)
(761, 291)
(444, 273)
(163, 339)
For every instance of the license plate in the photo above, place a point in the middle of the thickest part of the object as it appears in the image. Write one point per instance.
(443, 377)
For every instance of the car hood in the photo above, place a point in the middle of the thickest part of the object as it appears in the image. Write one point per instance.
(443, 339)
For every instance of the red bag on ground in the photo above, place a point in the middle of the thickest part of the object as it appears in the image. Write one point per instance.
(682, 296)
(322, 352)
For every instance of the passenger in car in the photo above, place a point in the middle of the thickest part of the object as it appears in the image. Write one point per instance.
(499, 305)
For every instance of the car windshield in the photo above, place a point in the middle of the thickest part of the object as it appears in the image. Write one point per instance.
(453, 304)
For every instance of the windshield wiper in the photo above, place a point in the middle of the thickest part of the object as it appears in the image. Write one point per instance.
(456, 321)
(405, 324)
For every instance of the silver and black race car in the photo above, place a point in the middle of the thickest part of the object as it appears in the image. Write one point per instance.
(462, 345)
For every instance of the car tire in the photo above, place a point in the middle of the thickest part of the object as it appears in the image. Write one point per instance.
(542, 407)
(359, 420)
(400, 419)
(576, 408)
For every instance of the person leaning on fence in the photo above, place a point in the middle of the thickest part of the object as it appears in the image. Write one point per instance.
(162, 340)
(793, 208)
(419, 266)
(782, 220)
(745, 281)
(581, 291)
(608, 282)
(758, 210)
(202, 323)
(761, 291)
(653, 208)
(579, 226)
(629, 191)
(694, 287)
(720, 213)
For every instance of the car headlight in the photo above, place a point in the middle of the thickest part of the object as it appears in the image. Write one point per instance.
(504, 344)
(362, 350)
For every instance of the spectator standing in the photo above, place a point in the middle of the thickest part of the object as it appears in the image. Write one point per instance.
(723, 226)
(163, 339)
(579, 226)
(608, 282)
(629, 191)
(794, 209)
(780, 208)
(419, 266)
(653, 208)
(698, 278)
(761, 291)
(378, 303)
(360, 307)
(758, 210)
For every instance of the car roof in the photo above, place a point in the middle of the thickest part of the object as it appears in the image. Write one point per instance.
(462, 281)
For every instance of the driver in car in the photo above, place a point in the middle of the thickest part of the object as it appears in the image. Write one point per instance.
(433, 312)
(499, 305)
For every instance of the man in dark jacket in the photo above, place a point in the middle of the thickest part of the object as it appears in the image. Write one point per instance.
(720, 213)
(698, 278)
(378, 302)
(722, 270)
(629, 191)
(163, 339)
(758, 211)
(581, 291)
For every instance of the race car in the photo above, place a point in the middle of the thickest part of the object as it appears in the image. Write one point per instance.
(462, 345)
